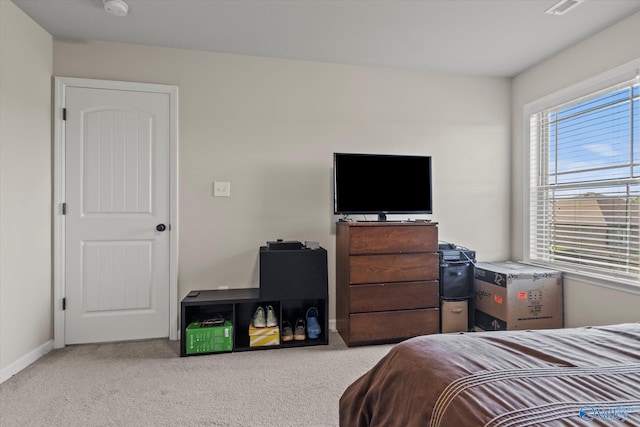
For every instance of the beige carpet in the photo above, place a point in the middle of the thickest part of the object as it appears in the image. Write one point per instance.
(145, 383)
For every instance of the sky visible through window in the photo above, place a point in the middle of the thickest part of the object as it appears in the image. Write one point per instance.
(597, 139)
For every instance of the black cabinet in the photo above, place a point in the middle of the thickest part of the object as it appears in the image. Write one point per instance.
(291, 281)
(293, 274)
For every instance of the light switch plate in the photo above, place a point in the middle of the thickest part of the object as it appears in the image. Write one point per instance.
(221, 189)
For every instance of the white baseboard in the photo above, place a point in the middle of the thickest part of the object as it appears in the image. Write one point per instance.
(26, 360)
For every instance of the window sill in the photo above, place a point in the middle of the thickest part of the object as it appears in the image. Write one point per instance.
(620, 285)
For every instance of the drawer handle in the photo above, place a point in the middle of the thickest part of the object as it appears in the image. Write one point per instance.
(456, 310)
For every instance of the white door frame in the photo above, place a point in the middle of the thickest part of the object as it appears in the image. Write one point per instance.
(59, 197)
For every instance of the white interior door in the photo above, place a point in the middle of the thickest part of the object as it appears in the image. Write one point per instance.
(117, 193)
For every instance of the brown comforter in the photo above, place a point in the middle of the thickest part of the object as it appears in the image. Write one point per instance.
(561, 377)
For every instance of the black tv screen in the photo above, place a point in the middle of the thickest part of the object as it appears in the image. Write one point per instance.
(381, 184)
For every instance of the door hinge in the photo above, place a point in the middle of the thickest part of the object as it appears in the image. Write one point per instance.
(64, 209)
(64, 303)
(64, 114)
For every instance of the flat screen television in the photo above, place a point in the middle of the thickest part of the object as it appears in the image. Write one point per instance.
(381, 184)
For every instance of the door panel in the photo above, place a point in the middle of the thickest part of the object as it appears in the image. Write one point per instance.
(117, 275)
(117, 156)
(117, 191)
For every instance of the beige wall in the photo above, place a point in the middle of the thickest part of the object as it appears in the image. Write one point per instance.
(25, 190)
(270, 127)
(585, 303)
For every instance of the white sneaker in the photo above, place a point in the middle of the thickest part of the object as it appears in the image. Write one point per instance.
(258, 318)
(272, 320)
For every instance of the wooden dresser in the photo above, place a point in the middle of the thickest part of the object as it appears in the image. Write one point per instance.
(386, 281)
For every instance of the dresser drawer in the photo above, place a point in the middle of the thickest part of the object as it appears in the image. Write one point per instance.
(393, 296)
(390, 326)
(393, 239)
(393, 268)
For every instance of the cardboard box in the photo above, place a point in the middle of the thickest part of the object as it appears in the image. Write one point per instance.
(263, 337)
(209, 339)
(510, 296)
(454, 316)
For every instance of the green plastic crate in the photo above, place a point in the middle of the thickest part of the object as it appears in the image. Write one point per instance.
(209, 339)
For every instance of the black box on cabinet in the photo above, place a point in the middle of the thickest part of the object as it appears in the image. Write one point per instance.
(453, 252)
(293, 274)
(281, 245)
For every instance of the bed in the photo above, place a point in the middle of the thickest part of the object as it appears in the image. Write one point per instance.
(555, 377)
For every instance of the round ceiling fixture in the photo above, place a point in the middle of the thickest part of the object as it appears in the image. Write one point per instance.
(116, 7)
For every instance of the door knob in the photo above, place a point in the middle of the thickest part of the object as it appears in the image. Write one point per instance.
(161, 227)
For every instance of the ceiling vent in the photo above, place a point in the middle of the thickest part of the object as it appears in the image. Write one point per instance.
(562, 7)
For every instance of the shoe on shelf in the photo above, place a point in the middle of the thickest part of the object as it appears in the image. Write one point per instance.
(272, 319)
(287, 332)
(299, 333)
(258, 319)
(313, 325)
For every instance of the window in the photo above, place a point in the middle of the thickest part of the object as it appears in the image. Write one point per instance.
(584, 187)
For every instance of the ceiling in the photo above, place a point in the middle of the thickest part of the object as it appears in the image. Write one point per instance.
(475, 37)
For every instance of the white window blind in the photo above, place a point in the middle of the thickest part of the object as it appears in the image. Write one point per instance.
(585, 184)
